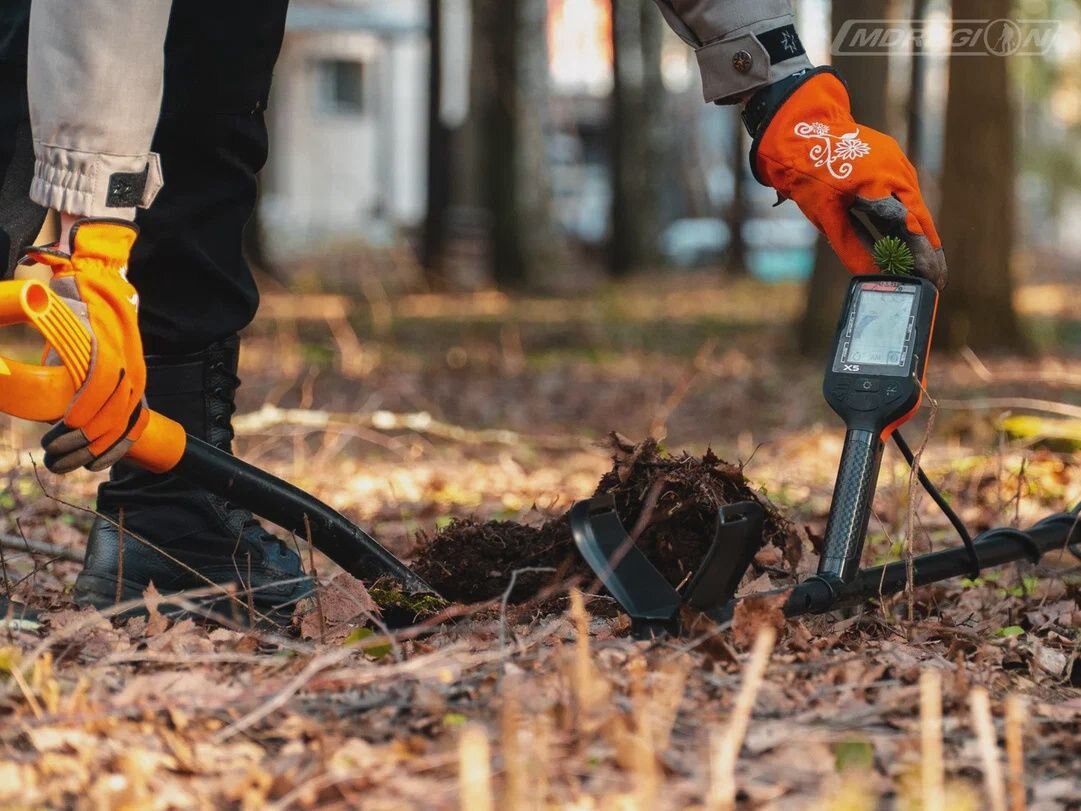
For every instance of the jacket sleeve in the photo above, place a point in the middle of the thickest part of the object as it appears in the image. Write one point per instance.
(94, 78)
(741, 45)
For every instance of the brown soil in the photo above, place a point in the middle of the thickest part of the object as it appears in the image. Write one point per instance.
(471, 561)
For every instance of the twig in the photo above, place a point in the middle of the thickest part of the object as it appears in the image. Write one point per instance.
(420, 422)
(649, 504)
(183, 601)
(31, 700)
(1020, 492)
(315, 581)
(119, 596)
(913, 491)
(475, 770)
(283, 696)
(38, 548)
(505, 600)
(588, 687)
(540, 759)
(658, 426)
(1015, 751)
(34, 571)
(333, 657)
(984, 725)
(931, 760)
(977, 365)
(4, 567)
(1009, 403)
(725, 746)
(515, 763)
(643, 759)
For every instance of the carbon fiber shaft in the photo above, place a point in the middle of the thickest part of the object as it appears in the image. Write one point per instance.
(850, 512)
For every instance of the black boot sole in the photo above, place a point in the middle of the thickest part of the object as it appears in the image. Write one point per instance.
(96, 591)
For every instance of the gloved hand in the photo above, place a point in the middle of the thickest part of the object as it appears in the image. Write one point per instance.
(842, 175)
(107, 415)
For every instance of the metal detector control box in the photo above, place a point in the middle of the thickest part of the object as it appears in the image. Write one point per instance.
(876, 375)
(875, 382)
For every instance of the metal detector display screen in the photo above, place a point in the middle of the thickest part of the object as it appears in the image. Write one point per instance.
(878, 337)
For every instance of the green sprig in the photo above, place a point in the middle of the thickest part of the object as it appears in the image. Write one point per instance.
(893, 256)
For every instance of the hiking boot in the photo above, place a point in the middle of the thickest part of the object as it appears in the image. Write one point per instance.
(176, 535)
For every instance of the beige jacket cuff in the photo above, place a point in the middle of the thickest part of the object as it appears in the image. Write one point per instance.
(95, 73)
(726, 35)
(92, 184)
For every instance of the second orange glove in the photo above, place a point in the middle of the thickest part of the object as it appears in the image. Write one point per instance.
(844, 176)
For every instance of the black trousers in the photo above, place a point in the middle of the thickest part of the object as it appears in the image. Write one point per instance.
(194, 284)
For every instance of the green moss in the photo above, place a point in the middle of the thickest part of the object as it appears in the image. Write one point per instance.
(392, 599)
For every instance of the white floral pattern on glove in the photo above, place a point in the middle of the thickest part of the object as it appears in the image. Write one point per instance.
(836, 152)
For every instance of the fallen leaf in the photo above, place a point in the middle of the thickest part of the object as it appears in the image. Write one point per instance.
(156, 621)
(341, 600)
(1050, 660)
(755, 612)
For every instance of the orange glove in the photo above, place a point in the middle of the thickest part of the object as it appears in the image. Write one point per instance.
(852, 182)
(107, 415)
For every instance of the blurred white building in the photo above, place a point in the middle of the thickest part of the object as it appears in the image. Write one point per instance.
(348, 121)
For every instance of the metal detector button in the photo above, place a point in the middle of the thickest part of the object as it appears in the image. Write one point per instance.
(861, 401)
(866, 384)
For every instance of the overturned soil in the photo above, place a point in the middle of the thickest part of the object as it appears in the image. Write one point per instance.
(669, 501)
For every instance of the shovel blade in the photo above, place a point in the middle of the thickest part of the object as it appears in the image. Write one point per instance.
(652, 602)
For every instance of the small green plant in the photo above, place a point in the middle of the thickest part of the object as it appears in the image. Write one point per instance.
(853, 754)
(375, 651)
(893, 257)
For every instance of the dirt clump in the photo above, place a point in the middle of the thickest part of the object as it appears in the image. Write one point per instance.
(472, 561)
(669, 502)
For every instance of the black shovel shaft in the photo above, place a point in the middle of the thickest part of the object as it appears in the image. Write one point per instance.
(994, 548)
(287, 506)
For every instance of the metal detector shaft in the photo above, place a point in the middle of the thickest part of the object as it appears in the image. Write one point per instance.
(850, 511)
(287, 506)
(995, 547)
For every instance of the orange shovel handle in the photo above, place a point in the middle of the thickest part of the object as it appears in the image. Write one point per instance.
(44, 393)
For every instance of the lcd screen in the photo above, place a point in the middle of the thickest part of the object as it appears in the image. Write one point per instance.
(881, 328)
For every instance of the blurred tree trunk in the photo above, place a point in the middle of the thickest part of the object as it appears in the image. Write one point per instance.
(637, 135)
(736, 261)
(512, 60)
(917, 89)
(977, 217)
(867, 78)
(439, 158)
